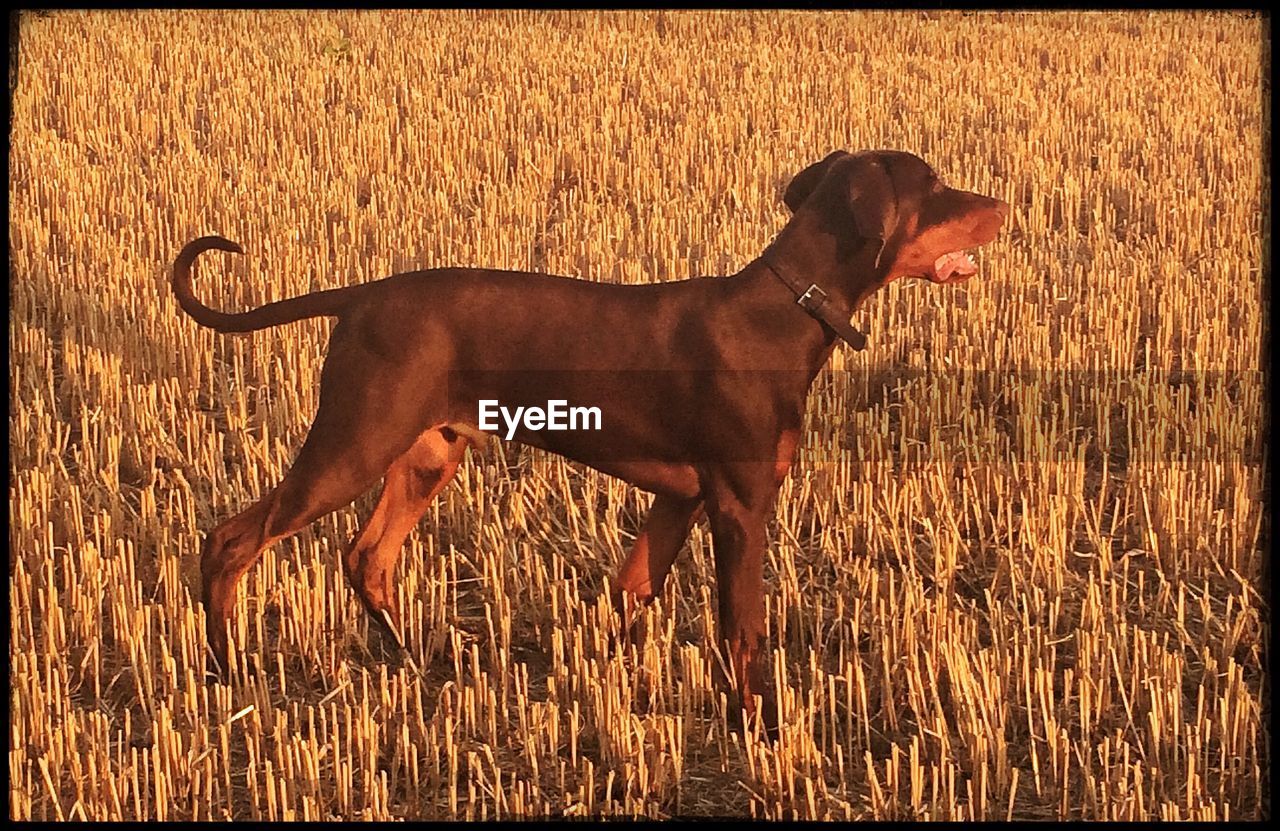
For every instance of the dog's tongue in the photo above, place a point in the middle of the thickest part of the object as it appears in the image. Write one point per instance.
(953, 266)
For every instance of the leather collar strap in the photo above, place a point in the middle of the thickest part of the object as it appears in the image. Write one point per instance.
(816, 302)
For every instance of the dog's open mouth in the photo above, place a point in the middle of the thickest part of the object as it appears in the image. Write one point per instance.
(953, 267)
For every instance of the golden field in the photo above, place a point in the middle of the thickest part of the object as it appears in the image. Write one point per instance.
(1016, 572)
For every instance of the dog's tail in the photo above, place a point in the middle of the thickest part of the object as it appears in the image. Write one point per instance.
(318, 304)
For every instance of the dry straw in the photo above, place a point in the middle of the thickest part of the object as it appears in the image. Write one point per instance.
(990, 595)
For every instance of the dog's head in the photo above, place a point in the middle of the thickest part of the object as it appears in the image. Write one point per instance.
(893, 203)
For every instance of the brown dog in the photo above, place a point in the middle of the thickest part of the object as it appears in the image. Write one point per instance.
(700, 384)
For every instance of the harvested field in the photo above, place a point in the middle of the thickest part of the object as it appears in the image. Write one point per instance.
(1016, 572)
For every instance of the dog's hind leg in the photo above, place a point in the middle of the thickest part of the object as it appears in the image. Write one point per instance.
(412, 482)
(359, 430)
(316, 485)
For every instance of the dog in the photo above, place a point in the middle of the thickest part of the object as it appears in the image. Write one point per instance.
(700, 384)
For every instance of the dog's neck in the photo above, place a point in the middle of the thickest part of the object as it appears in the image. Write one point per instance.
(844, 269)
(835, 259)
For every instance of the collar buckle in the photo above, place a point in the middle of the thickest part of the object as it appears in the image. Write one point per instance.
(812, 299)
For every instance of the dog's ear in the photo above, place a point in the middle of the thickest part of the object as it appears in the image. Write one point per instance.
(858, 187)
(873, 200)
(806, 181)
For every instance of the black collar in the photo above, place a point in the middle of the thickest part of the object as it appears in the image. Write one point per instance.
(819, 306)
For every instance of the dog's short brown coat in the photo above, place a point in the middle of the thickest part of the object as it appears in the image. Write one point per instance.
(702, 384)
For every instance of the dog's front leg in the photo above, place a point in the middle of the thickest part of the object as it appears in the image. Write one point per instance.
(642, 575)
(737, 507)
